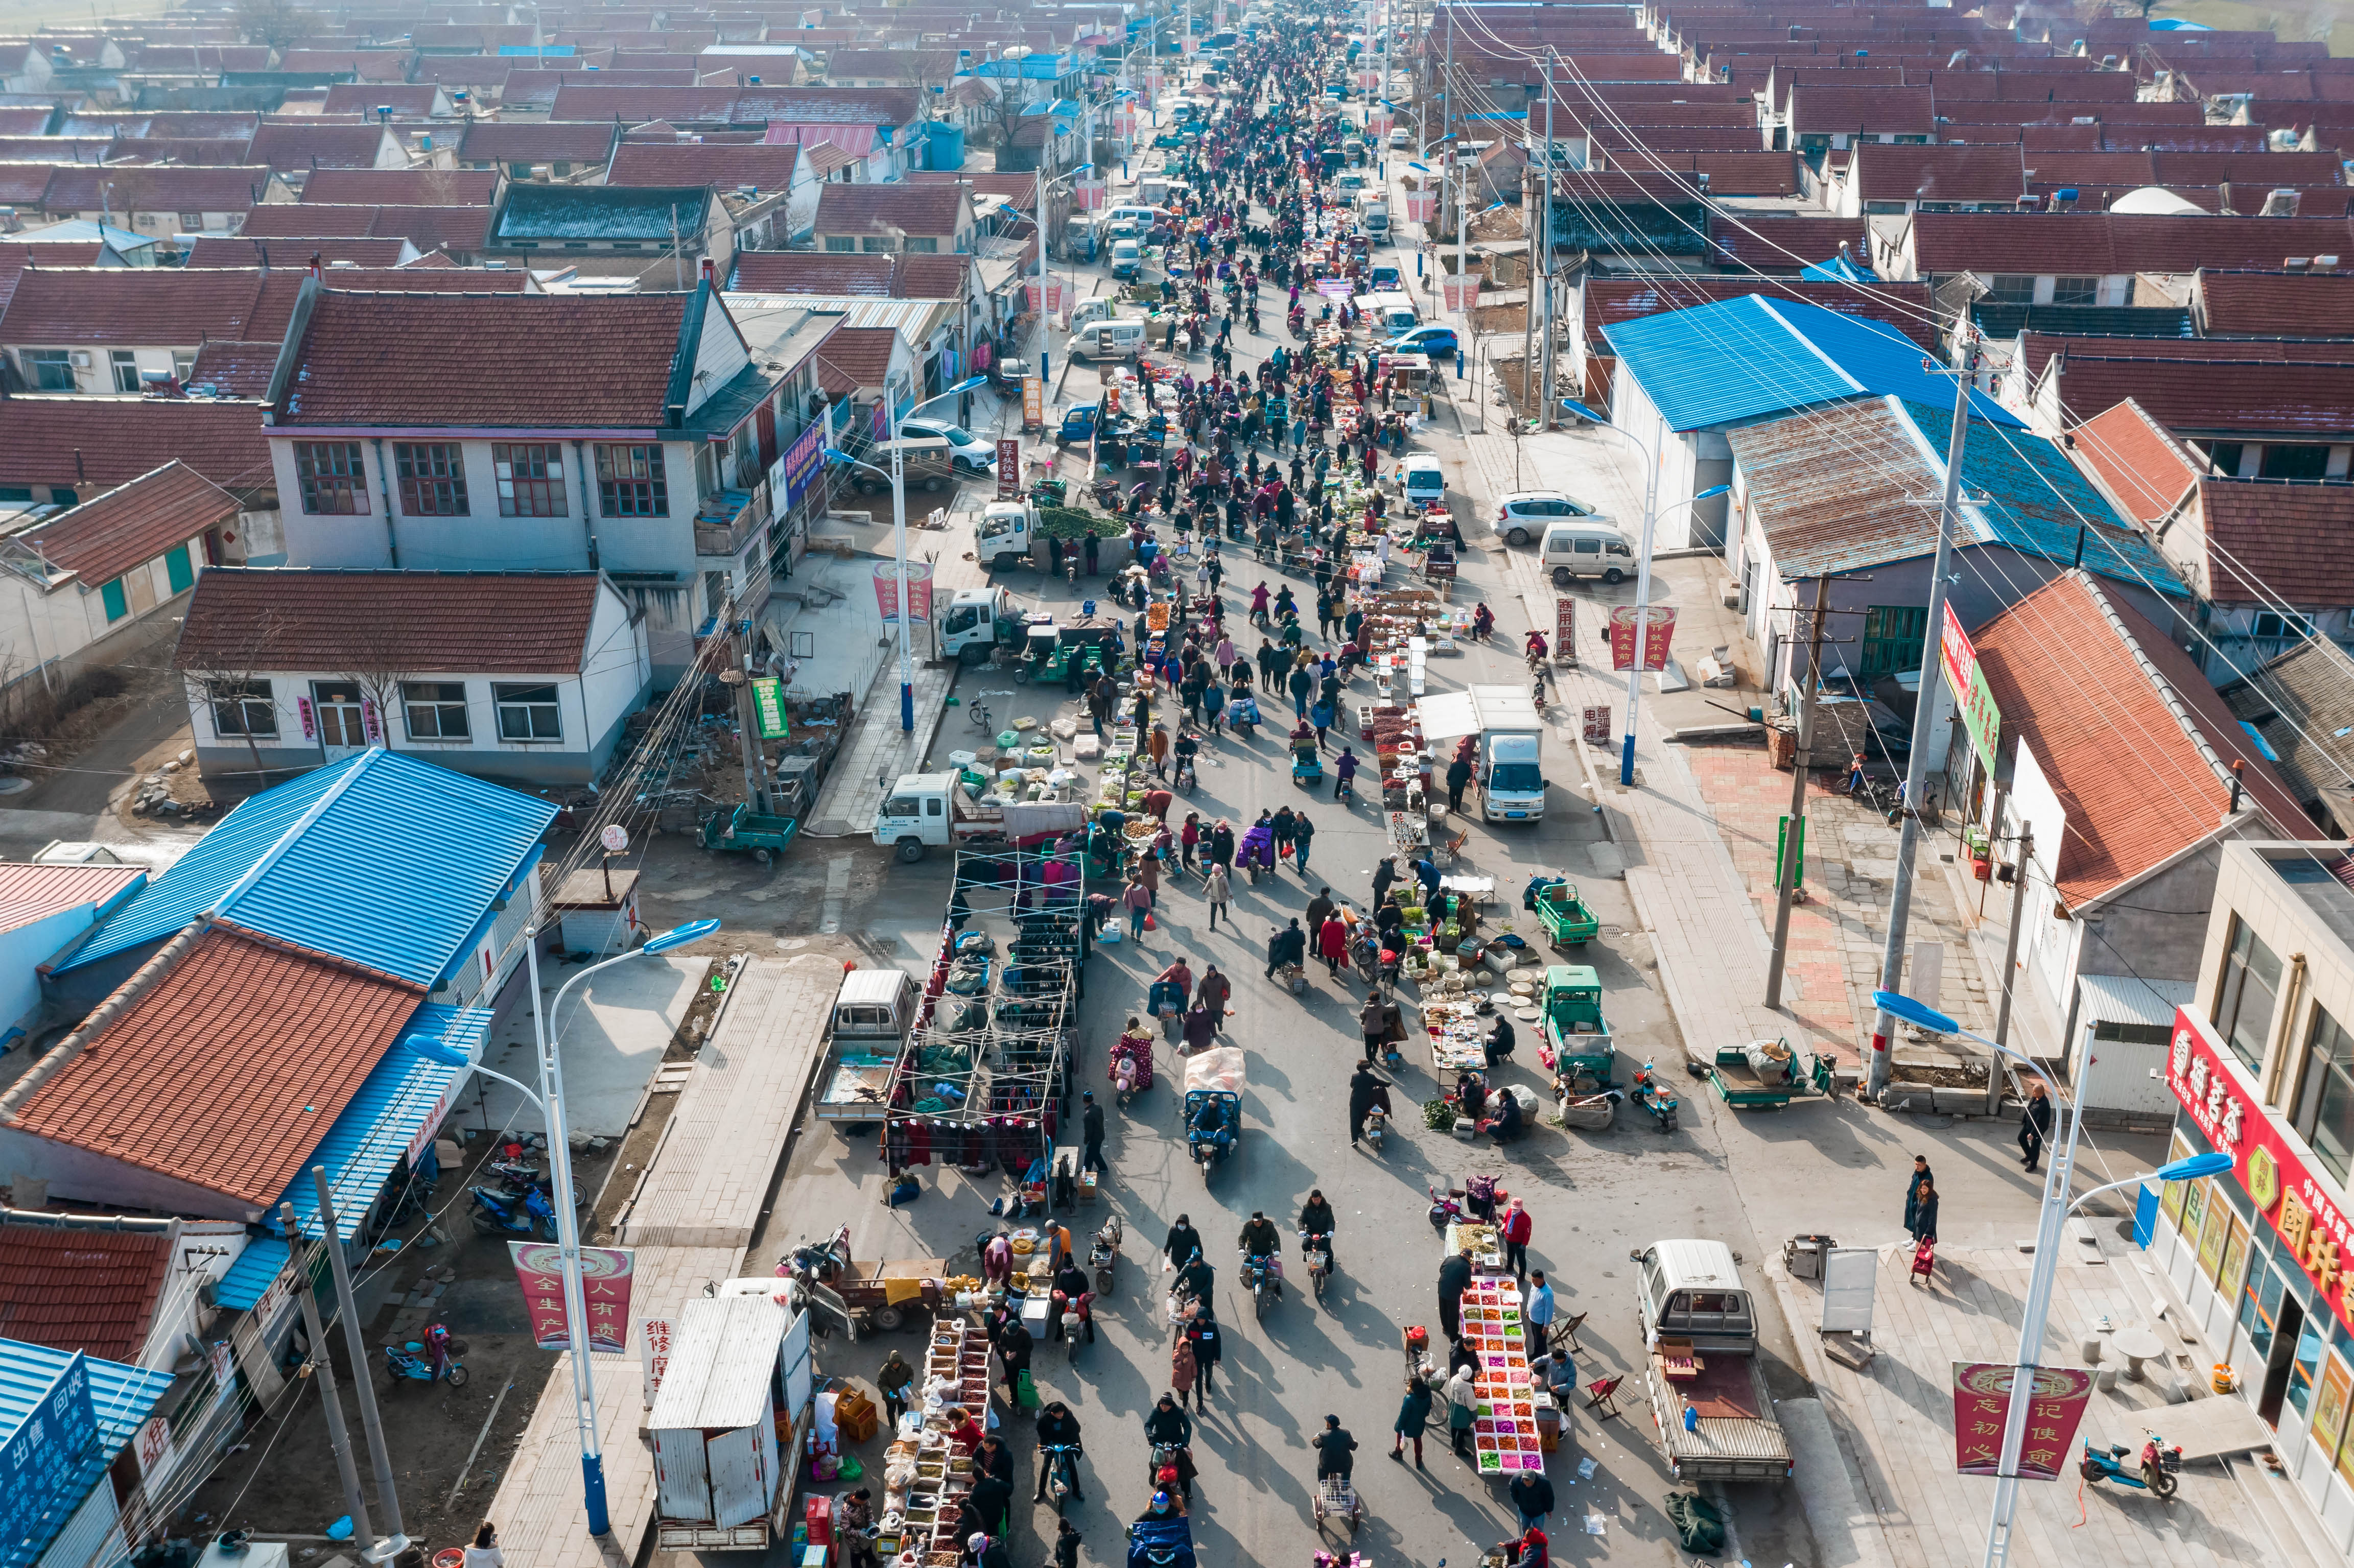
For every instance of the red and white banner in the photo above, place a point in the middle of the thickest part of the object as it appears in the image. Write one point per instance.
(1368, 80)
(1088, 194)
(1054, 296)
(1152, 81)
(1378, 121)
(1982, 1406)
(1123, 123)
(604, 1273)
(653, 1353)
(1460, 293)
(1658, 629)
(919, 590)
(1421, 206)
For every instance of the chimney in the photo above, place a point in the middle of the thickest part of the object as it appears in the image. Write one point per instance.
(2239, 765)
(710, 272)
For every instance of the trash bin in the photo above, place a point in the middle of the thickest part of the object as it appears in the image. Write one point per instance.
(1804, 1256)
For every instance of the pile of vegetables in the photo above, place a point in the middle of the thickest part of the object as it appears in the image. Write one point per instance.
(1067, 522)
(1438, 1116)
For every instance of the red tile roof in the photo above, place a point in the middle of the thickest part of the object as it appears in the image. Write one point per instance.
(295, 149)
(30, 893)
(2132, 737)
(235, 369)
(1884, 172)
(1609, 300)
(2252, 395)
(1748, 173)
(767, 166)
(540, 141)
(157, 187)
(228, 1070)
(814, 272)
(1820, 109)
(108, 534)
(2137, 462)
(94, 443)
(242, 252)
(148, 306)
(922, 210)
(2104, 244)
(854, 359)
(427, 228)
(216, 151)
(82, 1288)
(2269, 540)
(526, 624)
(534, 359)
(402, 187)
(367, 65)
(1786, 244)
(2264, 304)
(405, 98)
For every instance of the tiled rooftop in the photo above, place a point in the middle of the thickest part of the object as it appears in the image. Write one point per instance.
(108, 534)
(457, 622)
(82, 1289)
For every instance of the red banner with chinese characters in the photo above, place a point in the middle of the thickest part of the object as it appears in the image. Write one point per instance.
(604, 1273)
(2287, 1194)
(1658, 629)
(919, 590)
(1982, 1404)
(1564, 628)
(1009, 467)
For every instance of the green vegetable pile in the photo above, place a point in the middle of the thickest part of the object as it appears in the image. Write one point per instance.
(1438, 1116)
(1077, 523)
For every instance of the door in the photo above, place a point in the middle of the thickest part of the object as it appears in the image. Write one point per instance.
(739, 1492)
(342, 722)
(2289, 1346)
(681, 1480)
(766, 422)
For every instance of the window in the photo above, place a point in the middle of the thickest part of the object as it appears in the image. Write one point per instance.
(528, 713)
(244, 707)
(879, 242)
(437, 710)
(1892, 638)
(2324, 1109)
(2293, 463)
(52, 369)
(2226, 456)
(184, 364)
(432, 477)
(2270, 624)
(333, 478)
(2133, 1033)
(2011, 288)
(125, 365)
(192, 223)
(2076, 290)
(840, 242)
(118, 603)
(630, 480)
(178, 570)
(803, 645)
(530, 476)
(2244, 1001)
(924, 245)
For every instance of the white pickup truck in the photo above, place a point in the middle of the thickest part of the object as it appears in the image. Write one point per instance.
(927, 809)
(1709, 1402)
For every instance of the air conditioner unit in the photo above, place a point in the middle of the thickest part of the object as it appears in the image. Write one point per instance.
(81, 359)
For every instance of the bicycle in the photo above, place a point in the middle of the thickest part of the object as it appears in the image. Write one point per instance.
(979, 712)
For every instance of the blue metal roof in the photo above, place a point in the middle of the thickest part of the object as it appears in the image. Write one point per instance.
(2038, 503)
(120, 1396)
(382, 859)
(1747, 358)
(379, 1122)
(250, 1275)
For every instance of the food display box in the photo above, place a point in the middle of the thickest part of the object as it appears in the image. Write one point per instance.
(1506, 1437)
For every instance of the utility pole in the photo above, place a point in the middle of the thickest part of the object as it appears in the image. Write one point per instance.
(1908, 835)
(746, 728)
(387, 1496)
(1530, 201)
(1446, 99)
(323, 1367)
(1786, 875)
(1545, 256)
(2018, 880)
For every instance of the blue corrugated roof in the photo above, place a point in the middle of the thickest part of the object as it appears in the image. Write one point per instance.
(1743, 359)
(2038, 503)
(250, 1275)
(120, 1396)
(380, 1120)
(383, 859)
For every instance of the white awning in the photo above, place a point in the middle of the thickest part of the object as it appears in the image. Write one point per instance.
(1452, 713)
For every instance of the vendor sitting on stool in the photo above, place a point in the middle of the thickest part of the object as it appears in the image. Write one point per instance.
(1499, 1043)
(1508, 1123)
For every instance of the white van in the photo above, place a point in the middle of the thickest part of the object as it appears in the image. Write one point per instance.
(1586, 549)
(1374, 216)
(1145, 216)
(1127, 260)
(1107, 340)
(1421, 480)
(1391, 313)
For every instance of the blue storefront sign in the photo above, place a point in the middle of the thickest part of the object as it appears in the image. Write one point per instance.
(802, 463)
(39, 1460)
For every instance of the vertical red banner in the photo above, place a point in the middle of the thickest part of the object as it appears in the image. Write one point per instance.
(1658, 631)
(1009, 467)
(1564, 628)
(604, 1275)
(1982, 1404)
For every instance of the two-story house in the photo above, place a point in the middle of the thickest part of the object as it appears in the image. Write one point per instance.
(626, 433)
(920, 219)
(748, 171)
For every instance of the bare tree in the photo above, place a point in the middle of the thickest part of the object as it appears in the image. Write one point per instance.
(1001, 110)
(276, 23)
(234, 685)
(376, 660)
(927, 70)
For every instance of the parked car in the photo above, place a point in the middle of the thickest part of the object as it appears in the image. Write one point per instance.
(967, 451)
(1523, 514)
(1431, 340)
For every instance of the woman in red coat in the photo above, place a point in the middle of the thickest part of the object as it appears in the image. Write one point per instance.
(1332, 943)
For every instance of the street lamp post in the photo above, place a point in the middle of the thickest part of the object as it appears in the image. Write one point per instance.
(2056, 1208)
(550, 1101)
(1038, 201)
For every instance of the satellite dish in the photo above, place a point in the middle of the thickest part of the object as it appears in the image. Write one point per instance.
(615, 838)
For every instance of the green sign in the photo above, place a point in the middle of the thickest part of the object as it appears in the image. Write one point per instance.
(769, 707)
(1972, 696)
(1783, 849)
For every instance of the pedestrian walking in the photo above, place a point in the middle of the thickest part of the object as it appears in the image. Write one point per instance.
(1373, 1020)
(1336, 1451)
(1101, 698)
(1923, 1223)
(1189, 840)
(1204, 1334)
(1413, 1417)
(1537, 1312)
(892, 1383)
(1384, 875)
(1458, 775)
(1157, 743)
(1332, 943)
(1454, 1279)
(1462, 1410)
(1091, 1133)
(1913, 1184)
(1184, 1372)
(1138, 900)
(1302, 830)
(1219, 890)
(1533, 1497)
(1214, 992)
(1517, 1228)
(2034, 1124)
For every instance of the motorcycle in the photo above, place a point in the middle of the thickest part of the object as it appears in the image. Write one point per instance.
(498, 1214)
(2158, 1462)
(1262, 1277)
(1537, 695)
(1652, 1095)
(1377, 1127)
(1318, 1253)
(1072, 1313)
(1061, 1472)
(1166, 1457)
(427, 1362)
(1445, 1209)
(1106, 1253)
(1186, 778)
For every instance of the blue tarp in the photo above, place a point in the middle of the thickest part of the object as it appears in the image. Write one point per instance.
(1838, 270)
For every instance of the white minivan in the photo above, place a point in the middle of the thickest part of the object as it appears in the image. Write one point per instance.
(1421, 480)
(1391, 313)
(1586, 549)
(1107, 340)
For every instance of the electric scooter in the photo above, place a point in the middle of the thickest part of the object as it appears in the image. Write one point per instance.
(427, 1362)
(2158, 1464)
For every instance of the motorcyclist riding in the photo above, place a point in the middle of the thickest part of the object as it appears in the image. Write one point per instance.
(1057, 1428)
(1536, 648)
(1166, 1426)
(1316, 1224)
(1259, 1237)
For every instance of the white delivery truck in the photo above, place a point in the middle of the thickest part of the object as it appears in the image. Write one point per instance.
(1507, 771)
(927, 809)
(737, 1370)
(1373, 217)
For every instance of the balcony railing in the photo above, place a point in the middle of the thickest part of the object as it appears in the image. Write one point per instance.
(727, 520)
